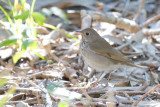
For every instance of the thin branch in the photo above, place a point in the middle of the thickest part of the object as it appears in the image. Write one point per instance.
(146, 94)
(120, 22)
(151, 32)
(150, 21)
(140, 9)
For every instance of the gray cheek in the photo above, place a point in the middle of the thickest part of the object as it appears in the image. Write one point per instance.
(86, 38)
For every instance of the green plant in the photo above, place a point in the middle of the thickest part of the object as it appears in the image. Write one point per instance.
(9, 92)
(23, 22)
(53, 27)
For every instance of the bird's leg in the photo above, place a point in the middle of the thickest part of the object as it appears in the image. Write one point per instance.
(99, 77)
(110, 72)
(109, 76)
(93, 84)
(85, 67)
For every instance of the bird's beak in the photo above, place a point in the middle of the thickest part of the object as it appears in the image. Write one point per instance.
(79, 31)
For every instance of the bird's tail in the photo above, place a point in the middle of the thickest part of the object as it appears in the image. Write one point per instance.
(138, 66)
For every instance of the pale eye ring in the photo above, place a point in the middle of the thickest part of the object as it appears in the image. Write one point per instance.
(87, 33)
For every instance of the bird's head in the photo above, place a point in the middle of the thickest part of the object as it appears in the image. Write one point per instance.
(89, 34)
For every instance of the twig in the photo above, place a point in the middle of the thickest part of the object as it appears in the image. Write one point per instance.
(45, 74)
(123, 46)
(24, 90)
(2, 62)
(151, 32)
(129, 98)
(140, 9)
(30, 101)
(120, 22)
(149, 21)
(125, 10)
(99, 104)
(122, 92)
(48, 101)
(150, 64)
(75, 82)
(145, 95)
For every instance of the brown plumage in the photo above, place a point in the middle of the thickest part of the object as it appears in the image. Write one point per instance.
(99, 54)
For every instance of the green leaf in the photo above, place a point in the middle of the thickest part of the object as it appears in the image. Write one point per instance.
(71, 37)
(29, 43)
(33, 45)
(23, 16)
(60, 13)
(54, 85)
(39, 18)
(32, 6)
(8, 17)
(24, 33)
(63, 104)
(49, 26)
(3, 81)
(23, 2)
(42, 57)
(8, 42)
(17, 56)
(25, 44)
(7, 96)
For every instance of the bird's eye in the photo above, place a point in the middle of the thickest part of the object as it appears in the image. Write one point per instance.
(87, 33)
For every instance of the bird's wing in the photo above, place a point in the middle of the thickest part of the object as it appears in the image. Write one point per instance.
(106, 50)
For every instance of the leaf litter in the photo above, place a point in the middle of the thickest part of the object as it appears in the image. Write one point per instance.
(67, 80)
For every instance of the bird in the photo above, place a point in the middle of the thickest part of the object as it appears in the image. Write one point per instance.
(99, 54)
